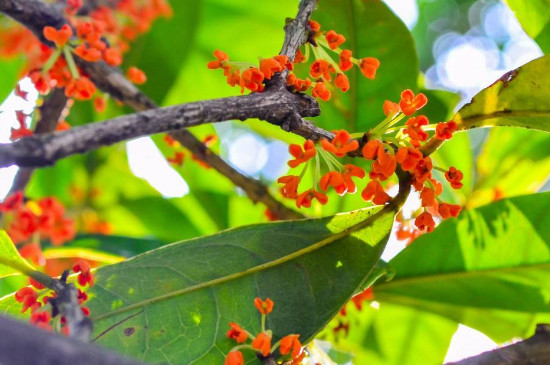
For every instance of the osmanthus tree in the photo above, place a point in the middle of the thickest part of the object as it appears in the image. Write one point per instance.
(234, 288)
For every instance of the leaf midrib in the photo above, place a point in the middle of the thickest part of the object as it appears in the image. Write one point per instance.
(467, 122)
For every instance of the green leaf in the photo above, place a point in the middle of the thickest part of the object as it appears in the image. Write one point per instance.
(11, 71)
(394, 335)
(534, 16)
(11, 263)
(488, 268)
(366, 26)
(520, 98)
(179, 299)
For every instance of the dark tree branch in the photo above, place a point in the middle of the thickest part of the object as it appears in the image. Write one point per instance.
(41, 150)
(533, 351)
(26, 345)
(50, 113)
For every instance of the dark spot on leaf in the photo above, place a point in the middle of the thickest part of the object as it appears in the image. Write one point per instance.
(129, 331)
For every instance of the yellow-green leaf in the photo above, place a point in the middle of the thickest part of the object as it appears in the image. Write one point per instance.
(11, 263)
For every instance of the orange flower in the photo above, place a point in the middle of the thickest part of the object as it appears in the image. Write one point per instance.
(85, 276)
(290, 189)
(320, 91)
(335, 179)
(314, 26)
(449, 210)
(301, 156)
(112, 57)
(454, 176)
(12, 202)
(269, 66)
(234, 358)
(262, 343)
(264, 307)
(410, 104)
(178, 158)
(368, 67)
(408, 157)
(365, 295)
(27, 296)
(40, 82)
(221, 58)
(41, 319)
(391, 108)
(100, 104)
(445, 130)
(237, 333)
(59, 37)
(299, 58)
(298, 84)
(342, 82)
(415, 131)
(284, 61)
(425, 221)
(345, 60)
(307, 196)
(422, 171)
(375, 191)
(349, 172)
(384, 166)
(291, 343)
(135, 75)
(24, 224)
(372, 149)
(88, 54)
(80, 89)
(334, 39)
(341, 144)
(170, 141)
(252, 78)
(321, 68)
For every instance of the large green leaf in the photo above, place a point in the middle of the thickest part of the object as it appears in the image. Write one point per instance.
(366, 26)
(488, 269)
(393, 335)
(178, 300)
(520, 98)
(534, 16)
(11, 263)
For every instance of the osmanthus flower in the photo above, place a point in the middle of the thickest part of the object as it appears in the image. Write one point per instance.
(263, 306)
(301, 155)
(314, 26)
(454, 177)
(414, 129)
(85, 275)
(369, 66)
(336, 180)
(88, 54)
(252, 79)
(305, 198)
(444, 130)
(237, 333)
(320, 91)
(321, 68)
(341, 144)
(345, 60)
(384, 166)
(375, 192)
(390, 108)
(27, 296)
(341, 81)
(290, 188)
(297, 84)
(80, 89)
(41, 319)
(59, 36)
(449, 210)
(425, 221)
(269, 66)
(234, 358)
(177, 159)
(12, 202)
(408, 157)
(350, 171)
(334, 39)
(136, 75)
(372, 149)
(410, 103)
(262, 343)
(427, 196)
(290, 345)
(221, 58)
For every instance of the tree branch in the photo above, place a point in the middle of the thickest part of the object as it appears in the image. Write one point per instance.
(25, 345)
(533, 351)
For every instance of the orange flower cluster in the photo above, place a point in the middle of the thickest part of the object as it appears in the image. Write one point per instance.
(324, 69)
(289, 346)
(28, 222)
(43, 312)
(402, 151)
(102, 35)
(247, 75)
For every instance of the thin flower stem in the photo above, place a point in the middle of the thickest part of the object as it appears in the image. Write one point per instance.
(327, 161)
(242, 347)
(263, 322)
(50, 62)
(317, 169)
(274, 347)
(334, 160)
(304, 170)
(70, 62)
(307, 51)
(439, 169)
(326, 57)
